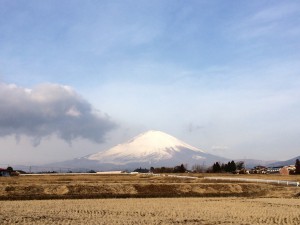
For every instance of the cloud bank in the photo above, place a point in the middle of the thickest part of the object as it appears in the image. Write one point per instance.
(49, 109)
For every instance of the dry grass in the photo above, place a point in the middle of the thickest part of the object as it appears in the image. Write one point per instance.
(152, 211)
(254, 176)
(283, 209)
(121, 186)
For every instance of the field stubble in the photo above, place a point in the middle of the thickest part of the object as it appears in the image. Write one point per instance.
(152, 211)
(74, 207)
(124, 186)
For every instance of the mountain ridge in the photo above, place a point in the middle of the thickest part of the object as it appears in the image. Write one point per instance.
(151, 148)
(288, 162)
(148, 146)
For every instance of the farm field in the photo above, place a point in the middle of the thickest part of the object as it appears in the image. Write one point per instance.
(144, 199)
(275, 176)
(152, 211)
(124, 186)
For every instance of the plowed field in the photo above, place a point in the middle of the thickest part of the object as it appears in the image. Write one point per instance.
(152, 211)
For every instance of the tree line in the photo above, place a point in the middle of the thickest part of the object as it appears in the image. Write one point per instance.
(177, 169)
(229, 167)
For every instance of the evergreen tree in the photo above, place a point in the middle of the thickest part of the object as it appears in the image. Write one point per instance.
(179, 169)
(223, 167)
(232, 166)
(10, 169)
(297, 165)
(227, 167)
(216, 167)
(182, 168)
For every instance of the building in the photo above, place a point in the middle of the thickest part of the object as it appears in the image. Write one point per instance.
(259, 170)
(274, 169)
(287, 170)
(4, 173)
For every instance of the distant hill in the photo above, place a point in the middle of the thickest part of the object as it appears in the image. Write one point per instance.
(285, 163)
(250, 163)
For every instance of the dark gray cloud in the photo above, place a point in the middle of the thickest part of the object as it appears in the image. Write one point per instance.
(50, 109)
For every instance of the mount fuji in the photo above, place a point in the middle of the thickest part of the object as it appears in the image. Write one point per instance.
(152, 148)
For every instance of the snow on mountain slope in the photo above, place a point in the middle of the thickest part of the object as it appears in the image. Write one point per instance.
(151, 146)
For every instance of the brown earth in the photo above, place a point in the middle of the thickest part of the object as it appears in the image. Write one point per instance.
(137, 186)
(152, 211)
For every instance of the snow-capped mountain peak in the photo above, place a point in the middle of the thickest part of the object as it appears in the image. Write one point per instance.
(149, 149)
(151, 146)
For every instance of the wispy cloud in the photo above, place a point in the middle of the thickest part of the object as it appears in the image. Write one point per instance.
(274, 21)
(276, 13)
(50, 109)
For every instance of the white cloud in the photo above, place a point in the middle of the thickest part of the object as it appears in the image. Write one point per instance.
(50, 109)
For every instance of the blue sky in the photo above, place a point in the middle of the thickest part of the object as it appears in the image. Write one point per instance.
(221, 75)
